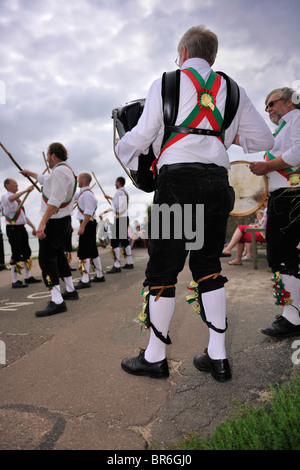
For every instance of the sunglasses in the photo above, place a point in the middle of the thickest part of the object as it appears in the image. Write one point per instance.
(271, 104)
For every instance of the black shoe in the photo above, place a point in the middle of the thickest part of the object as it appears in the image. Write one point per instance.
(51, 309)
(98, 279)
(82, 285)
(281, 328)
(128, 266)
(70, 295)
(3, 267)
(114, 270)
(219, 368)
(18, 284)
(32, 280)
(139, 366)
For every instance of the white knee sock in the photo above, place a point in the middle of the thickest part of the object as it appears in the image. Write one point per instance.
(85, 276)
(98, 266)
(117, 255)
(27, 274)
(291, 312)
(14, 275)
(69, 284)
(161, 313)
(128, 254)
(56, 296)
(214, 303)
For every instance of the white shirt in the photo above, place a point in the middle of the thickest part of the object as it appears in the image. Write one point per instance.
(10, 208)
(120, 202)
(58, 187)
(248, 123)
(287, 145)
(86, 202)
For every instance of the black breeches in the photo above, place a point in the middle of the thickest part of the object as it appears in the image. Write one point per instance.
(18, 238)
(283, 231)
(87, 247)
(189, 188)
(52, 259)
(120, 232)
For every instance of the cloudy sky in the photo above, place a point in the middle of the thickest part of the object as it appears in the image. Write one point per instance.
(65, 65)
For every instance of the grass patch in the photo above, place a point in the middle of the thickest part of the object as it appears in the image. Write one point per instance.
(274, 425)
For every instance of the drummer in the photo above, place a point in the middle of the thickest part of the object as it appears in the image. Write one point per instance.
(282, 167)
(192, 171)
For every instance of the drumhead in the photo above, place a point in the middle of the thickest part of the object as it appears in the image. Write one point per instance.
(250, 190)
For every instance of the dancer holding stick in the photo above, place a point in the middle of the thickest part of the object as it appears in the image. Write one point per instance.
(17, 235)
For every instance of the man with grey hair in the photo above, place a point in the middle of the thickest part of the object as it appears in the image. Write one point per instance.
(282, 168)
(192, 170)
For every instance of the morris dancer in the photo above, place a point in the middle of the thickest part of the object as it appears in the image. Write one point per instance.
(282, 168)
(2, 256)
(87, 249)
(120, 228)
(17, 235)
(56, 208)
(192, 170)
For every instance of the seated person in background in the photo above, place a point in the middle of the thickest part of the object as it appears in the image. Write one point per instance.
(138, 233)
(242, 238)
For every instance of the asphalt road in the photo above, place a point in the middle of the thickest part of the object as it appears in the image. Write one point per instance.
(62, 386)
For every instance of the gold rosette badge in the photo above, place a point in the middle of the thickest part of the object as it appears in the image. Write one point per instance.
(206, 100)
(294, 179)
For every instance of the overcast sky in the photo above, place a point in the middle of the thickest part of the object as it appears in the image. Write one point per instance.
(65, 65)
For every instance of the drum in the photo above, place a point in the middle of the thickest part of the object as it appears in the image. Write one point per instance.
(125, 118)
(250, 190)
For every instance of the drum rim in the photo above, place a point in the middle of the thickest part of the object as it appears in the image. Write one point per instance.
(242, 214)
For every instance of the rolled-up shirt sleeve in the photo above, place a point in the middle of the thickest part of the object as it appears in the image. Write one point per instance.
(254, 133)
(292, 155)
(41, 179)
(59, 189)
(90, 204)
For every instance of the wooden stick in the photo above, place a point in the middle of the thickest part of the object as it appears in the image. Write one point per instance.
(22, 203)
(18, 166)
(24, 199)
(101, 188)
(46, 163)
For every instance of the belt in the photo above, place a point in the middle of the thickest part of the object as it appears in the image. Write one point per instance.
(192, 166)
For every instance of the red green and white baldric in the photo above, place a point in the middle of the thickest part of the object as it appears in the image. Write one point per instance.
(206, 107)
(292, 177)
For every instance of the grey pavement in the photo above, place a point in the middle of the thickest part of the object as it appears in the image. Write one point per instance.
(62, 386)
